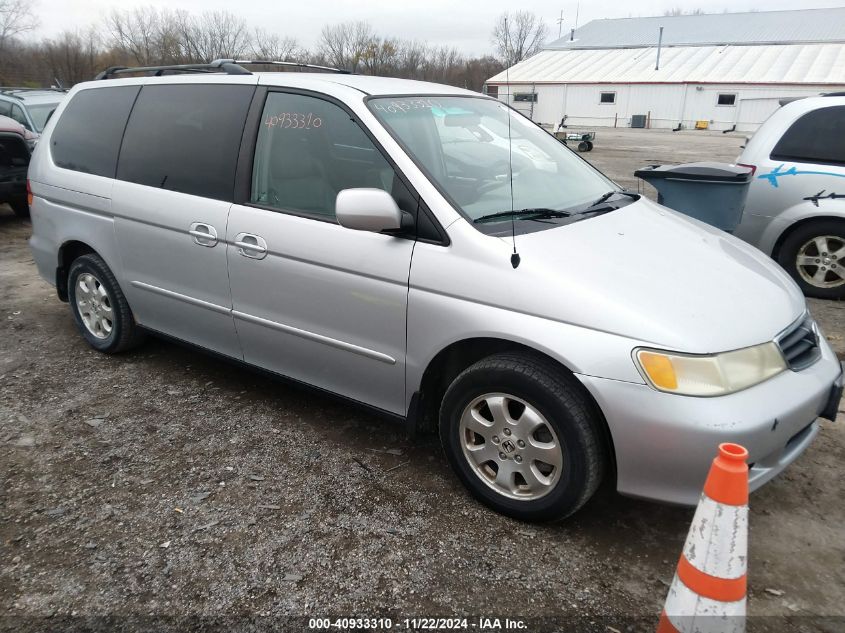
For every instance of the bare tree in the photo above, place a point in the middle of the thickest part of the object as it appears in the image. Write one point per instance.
(518, 36)
(671, 13)
(73, 56)
(343, 45)
(152, 37)
(221, 35)
(143, 34)
(272, 47)
(411, 60)
(16, 17)
(380, 56)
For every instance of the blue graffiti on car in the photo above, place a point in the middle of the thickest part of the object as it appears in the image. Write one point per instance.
(776, 173)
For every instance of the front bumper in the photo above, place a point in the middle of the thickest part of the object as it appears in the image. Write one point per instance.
(664, 443)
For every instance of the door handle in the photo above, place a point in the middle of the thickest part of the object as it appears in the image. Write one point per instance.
(251, 246)
(203, 234)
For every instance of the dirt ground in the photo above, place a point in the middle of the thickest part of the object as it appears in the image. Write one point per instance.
(165, 482)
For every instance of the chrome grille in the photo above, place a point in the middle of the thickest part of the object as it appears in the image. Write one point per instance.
(800, 345)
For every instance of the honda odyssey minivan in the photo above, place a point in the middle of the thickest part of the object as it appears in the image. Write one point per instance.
(431, 253)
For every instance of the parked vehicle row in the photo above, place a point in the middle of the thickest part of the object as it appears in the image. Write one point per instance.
(336, 230)
(16, 143)
(31, 107)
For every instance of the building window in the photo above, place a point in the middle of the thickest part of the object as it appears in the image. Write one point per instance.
(492, 91)
(530, 97)
(607, 98)
(726, 99)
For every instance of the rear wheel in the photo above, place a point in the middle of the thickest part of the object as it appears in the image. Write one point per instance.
(99, 308)
(589, 146)
(20, 208)
(522, 437)
(583, 146)
(814, 254)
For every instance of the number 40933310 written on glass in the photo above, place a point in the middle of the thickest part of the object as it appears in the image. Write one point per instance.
(305, 120)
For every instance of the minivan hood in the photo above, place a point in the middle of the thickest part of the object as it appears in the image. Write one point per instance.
(650, 273)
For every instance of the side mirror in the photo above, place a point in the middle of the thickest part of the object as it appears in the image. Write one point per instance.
(372, 210)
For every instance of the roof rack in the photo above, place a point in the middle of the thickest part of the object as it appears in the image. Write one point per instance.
(228, 66)
(300, 65)
(11, 90)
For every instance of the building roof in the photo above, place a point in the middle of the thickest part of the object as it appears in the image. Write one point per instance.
(765, 64)
(763, 27)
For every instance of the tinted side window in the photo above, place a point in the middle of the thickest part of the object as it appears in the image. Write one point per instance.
(817, 137)
(87, 136)
(186, 138)
(308, 150)
(5, 108)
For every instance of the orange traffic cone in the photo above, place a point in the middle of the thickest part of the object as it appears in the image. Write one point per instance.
(708, 590)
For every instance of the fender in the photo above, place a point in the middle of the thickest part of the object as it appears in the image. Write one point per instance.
(806, 210)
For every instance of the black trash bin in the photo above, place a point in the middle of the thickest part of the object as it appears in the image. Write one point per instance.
(711, 192)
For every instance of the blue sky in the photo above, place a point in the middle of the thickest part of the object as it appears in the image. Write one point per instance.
(465, 25)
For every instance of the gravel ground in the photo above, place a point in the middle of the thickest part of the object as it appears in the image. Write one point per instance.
(165, 482)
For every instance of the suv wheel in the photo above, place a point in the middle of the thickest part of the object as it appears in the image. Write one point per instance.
(99, 307)
(522, 437)
(814, 254)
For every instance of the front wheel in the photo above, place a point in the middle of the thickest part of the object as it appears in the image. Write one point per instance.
(814, 255)
(522, 437)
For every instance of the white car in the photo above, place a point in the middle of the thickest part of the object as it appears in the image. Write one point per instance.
(795, 209)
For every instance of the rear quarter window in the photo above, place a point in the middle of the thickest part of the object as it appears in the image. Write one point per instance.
(816, 137)
(186, 138)
(88, 133)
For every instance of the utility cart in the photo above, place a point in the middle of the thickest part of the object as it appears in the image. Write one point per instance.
(584, 139)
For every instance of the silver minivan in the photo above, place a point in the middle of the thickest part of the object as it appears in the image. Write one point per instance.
(795, 210)
(431, 253)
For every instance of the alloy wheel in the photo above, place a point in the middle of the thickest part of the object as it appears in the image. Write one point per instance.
(94, 305)
(820, 261)
(510, 446)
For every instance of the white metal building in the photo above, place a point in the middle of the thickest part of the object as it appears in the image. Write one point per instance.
(727, 69)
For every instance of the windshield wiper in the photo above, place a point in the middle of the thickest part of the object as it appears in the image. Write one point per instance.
(607, 196)
(530, 214)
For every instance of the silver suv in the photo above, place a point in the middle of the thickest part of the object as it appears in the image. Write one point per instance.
(431, 253)
(31, 107)
(795, 210)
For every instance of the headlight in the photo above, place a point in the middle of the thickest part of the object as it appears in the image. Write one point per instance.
(710, 375)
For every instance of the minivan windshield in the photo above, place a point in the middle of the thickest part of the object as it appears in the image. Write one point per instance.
(463, 144)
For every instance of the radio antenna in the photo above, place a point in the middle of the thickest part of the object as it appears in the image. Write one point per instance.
(514, 256)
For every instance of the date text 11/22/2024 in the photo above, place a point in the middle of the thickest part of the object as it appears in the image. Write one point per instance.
(482, 624)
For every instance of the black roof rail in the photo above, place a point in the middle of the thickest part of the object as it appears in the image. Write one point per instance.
(300, 65)
(228, 66)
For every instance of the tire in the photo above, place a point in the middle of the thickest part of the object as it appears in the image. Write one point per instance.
(531, 390)
(99, 307)
(807, 242)
(20, 208)
(583, 147)
(589, 146)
